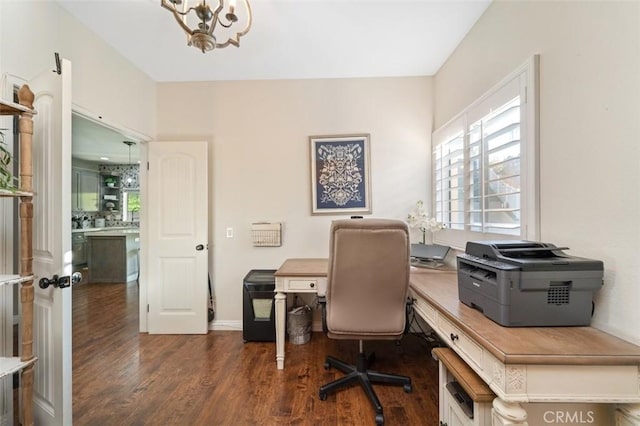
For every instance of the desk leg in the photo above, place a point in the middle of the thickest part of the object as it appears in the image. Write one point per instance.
(281, 307)
(508, 413)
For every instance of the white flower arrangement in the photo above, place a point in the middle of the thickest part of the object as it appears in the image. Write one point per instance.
(419, 218)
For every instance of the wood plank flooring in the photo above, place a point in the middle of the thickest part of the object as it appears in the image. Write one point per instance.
(122, 377)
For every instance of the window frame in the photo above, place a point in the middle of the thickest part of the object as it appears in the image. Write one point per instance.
(527, 78)
(129, 215)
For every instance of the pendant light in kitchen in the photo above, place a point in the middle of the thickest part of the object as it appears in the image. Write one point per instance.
(129, 179)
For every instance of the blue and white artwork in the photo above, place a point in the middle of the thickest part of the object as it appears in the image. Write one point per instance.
(340, 174)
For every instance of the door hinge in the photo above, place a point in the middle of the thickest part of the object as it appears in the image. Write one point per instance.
(147, 166)
(147, 307)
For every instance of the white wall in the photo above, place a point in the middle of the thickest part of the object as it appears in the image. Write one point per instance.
(259, 159)
(104, 83)
(589, 128)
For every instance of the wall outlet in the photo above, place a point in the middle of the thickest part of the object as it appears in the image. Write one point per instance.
(229, 232)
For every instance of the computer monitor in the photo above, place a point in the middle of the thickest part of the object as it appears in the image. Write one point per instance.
(428, 255)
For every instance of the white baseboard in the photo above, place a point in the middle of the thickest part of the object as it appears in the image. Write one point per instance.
(225, 325)
(237, 325)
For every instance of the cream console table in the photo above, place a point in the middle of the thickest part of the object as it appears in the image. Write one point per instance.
(295, 276)
(531, 364)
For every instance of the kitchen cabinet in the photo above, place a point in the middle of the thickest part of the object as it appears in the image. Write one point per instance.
(24, 363)
(85, 187)
(78, 249)
(112, 256)
(110, 192)
(107, 259)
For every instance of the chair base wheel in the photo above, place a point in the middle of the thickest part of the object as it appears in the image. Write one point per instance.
(360, 374)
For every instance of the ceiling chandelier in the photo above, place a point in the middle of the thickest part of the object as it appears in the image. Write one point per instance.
(200, 25)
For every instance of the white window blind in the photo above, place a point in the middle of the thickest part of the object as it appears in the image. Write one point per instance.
(485, 165)
(449, 180)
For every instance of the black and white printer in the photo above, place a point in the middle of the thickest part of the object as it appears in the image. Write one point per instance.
(528, 284)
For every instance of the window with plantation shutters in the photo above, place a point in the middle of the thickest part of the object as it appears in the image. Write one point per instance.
(485, 165)
(494, 171)
(449, 181)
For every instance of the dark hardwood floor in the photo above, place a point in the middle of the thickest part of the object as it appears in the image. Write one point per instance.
(122, 377)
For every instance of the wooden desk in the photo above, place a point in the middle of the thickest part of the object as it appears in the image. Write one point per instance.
(532, 364)
(525, 364)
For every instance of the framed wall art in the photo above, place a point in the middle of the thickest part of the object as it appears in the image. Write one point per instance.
(340, 175)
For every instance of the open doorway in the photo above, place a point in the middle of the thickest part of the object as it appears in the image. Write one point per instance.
(105, 199)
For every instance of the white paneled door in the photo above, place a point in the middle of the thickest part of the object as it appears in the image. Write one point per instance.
(52, 246)
(178, 249)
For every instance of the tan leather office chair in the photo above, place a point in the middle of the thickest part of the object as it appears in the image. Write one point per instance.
(366, 296)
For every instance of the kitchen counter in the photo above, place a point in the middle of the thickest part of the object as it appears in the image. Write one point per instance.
(113, 255)
(108, 228)
(104, 232)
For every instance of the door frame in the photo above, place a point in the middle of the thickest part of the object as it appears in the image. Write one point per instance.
(143, 139)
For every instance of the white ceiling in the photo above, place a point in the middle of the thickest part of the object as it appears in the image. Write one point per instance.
(94, 142)
(290, 39)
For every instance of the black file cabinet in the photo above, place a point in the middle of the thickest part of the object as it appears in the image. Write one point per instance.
(258, 307)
